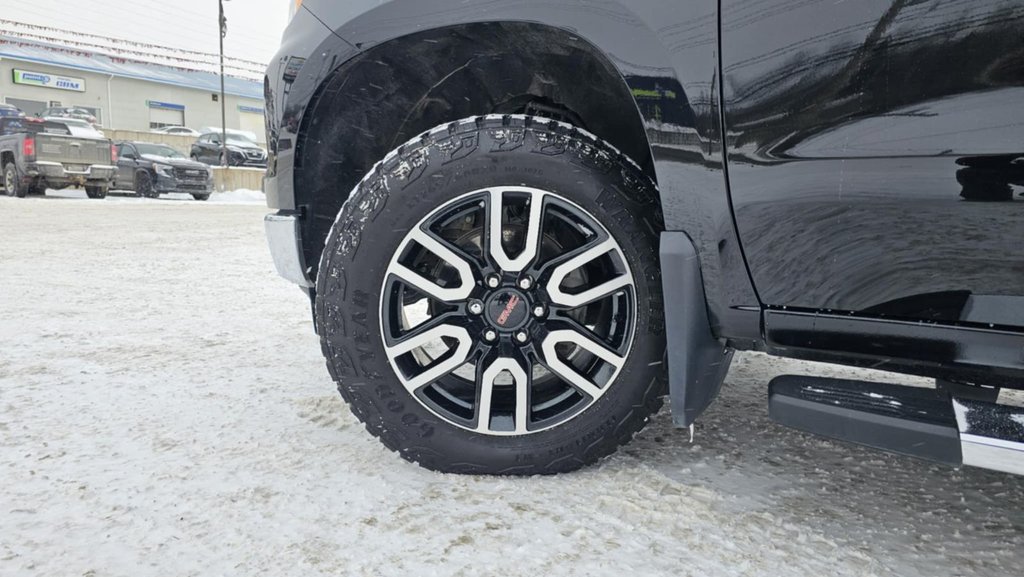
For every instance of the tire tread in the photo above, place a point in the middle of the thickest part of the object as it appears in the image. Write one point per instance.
(643, 204)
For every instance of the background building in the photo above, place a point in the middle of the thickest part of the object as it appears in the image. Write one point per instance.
(122, 92)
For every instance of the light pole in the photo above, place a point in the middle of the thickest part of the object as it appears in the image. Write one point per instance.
(223, 110)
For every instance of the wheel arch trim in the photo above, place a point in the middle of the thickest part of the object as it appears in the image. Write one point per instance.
(613, 33)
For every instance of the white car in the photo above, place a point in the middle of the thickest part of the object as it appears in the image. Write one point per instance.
(78, 127)
(177, 130)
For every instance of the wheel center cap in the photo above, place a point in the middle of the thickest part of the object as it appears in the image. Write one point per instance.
(508, 310)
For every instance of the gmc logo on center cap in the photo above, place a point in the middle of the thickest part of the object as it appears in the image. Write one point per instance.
(511, 306)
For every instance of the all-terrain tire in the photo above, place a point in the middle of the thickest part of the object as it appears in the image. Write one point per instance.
(424, 174)
(201, 196)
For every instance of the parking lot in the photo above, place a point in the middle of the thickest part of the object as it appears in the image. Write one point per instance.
(164, 410)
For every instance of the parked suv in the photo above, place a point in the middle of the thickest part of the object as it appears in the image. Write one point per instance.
(522, 223)
(241, 150)
(154, 169)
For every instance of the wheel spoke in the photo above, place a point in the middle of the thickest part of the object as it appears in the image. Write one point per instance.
(437, 369)
(428, 286)
(426, 326)
(459, 341)
(522, 383)
(496, 206)
(568, 373)
(568, 323)
(593, 293)
(460, 251)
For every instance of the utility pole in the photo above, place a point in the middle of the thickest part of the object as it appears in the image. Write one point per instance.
(223, 110)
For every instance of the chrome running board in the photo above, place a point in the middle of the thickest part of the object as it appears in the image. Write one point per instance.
(991, 435)
(924, 423)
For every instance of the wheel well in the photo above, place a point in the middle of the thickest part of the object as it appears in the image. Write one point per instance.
(399, 89)
(6, 157)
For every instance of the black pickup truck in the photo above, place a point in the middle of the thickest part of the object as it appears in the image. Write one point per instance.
(39, 154)
(522, 223)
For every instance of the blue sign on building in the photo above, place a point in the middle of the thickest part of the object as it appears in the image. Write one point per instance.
(165, 105)
(31, 78)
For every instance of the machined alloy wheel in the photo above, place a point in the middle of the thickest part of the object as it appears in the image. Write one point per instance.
(489, 298)
(538, 352)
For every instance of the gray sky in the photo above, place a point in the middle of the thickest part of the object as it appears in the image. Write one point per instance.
(254, 26)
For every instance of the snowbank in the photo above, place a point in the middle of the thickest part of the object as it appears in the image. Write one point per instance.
(242, 195)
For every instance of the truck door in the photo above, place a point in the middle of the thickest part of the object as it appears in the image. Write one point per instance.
(876, 154)
(126, 162)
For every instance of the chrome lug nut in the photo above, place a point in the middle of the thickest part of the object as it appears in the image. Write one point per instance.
(490, 335)
(493, 281)
(476, 307)
(522, 337)
(525, 283)
(538, 311)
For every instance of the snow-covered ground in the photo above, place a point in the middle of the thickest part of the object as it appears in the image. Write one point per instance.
(164, 411)
(243, 196)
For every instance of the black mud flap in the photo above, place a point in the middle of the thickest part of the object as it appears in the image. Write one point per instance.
(697, 361)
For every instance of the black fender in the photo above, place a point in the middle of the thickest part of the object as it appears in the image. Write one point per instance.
(665, 52)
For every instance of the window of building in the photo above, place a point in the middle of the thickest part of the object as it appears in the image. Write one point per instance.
(161, 117)
(29, 107)
(253, 123)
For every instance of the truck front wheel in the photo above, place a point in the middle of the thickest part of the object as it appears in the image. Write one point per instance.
(489, 298)
(12, 183)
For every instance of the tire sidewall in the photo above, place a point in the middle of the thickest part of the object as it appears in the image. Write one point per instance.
(352, 275)
(17, 188)
(140, 177)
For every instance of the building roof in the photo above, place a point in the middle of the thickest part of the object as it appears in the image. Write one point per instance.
(55, 55)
